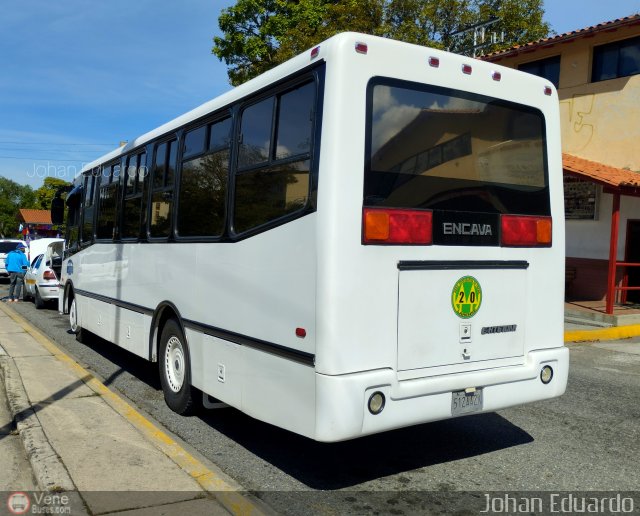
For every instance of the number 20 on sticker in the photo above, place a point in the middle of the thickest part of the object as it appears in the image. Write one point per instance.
(466, 297)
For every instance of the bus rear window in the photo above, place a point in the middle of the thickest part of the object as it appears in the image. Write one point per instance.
(446, 150)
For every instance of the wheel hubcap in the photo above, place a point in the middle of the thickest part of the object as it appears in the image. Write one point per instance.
(73, 319)
(174, 364)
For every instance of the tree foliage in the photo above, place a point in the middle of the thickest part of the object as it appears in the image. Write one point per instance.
(47, 192)
(13, 196)
(259, 34)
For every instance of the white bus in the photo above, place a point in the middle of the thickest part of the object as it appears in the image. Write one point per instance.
(366, 237)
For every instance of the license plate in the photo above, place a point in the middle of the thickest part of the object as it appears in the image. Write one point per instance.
(465, 403)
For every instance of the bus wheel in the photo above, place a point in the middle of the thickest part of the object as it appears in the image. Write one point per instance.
(73, 321)
(175, 370)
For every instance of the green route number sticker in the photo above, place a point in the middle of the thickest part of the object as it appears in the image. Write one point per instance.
(466, 297)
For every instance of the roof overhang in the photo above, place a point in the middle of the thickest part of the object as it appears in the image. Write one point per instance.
(614, 180)
(567, 37)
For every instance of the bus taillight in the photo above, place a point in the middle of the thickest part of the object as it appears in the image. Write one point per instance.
(526, 231)
(394, 226)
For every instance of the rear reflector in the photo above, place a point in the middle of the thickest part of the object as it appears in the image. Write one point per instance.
(394, 226)
(526, 231)
(315, 52)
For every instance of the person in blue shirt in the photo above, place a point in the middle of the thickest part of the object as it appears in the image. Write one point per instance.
(16, 263)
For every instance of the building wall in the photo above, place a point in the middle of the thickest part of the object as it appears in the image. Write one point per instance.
(590, 238)
(587, 247)
(599, 120)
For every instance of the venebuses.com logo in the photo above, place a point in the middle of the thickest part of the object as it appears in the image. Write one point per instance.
(18, 503)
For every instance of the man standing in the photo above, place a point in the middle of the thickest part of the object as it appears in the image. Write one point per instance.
(16, 263)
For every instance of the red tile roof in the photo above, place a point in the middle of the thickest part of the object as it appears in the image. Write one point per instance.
(616, 178)
(564, 38)
(36, 216)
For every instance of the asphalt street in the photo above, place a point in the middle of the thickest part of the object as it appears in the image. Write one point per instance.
(586, 440)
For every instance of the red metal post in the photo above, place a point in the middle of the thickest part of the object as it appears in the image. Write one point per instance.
(613, 253)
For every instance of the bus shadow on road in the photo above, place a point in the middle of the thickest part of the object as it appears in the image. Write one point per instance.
(138, 367)
(331, 466)
(334, 466)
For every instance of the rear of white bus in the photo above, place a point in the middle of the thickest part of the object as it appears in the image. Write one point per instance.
(440, 283)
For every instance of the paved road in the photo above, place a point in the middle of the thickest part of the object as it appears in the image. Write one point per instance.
(587, 440)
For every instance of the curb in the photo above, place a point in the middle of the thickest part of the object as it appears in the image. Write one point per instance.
(228, 493)
(50, 473)
(612, 333)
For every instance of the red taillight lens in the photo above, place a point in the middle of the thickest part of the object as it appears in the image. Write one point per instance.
(49, 275)
(526, 231)
(393, 226)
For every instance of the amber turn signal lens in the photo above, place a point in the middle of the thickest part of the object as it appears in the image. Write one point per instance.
(376, 225)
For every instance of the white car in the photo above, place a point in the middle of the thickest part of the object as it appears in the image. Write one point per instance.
(41, 279)
(6, 246)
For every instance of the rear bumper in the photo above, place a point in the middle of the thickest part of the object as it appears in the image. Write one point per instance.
(48, 291)
(342, 400)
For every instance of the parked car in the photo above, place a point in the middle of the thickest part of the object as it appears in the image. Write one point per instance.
(41, 279)
(6, 246)
(38, 246)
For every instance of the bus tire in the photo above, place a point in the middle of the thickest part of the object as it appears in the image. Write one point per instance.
(175, 370)
(73, 321)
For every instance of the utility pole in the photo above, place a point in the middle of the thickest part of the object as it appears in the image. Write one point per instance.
(480, 38)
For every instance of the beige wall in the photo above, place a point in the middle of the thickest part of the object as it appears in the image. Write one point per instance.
(601, 120)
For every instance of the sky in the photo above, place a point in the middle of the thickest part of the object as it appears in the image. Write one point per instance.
(77, 77)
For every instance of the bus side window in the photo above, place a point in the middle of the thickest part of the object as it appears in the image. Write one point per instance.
(88, 209)
(107, 203)
(132, 205)
(74, 206)
(203, 181)
(272, 180)
(162, 189)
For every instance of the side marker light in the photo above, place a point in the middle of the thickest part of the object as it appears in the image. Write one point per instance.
(361, 48)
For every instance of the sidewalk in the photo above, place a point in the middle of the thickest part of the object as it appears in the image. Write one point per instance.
(586, 321)
(82, 439)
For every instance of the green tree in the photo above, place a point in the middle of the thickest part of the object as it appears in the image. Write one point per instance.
(13, 196)
(47, 192)
(259, 34)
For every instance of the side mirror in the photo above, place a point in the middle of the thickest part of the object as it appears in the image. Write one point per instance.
(57, 210)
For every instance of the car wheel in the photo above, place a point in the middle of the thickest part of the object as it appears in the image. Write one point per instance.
(73, 321)
(38, 300)
(175, 370)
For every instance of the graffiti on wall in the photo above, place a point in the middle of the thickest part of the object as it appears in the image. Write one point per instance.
(578, 121)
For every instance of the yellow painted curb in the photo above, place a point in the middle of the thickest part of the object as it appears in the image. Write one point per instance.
(613, 333)
(225, 493)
